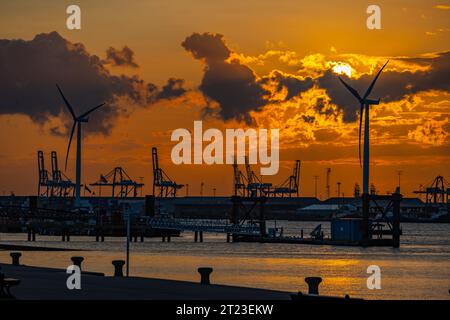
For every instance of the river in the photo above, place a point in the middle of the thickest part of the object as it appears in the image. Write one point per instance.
(419, 269)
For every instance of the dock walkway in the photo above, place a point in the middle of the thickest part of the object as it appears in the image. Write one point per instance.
(50, 284)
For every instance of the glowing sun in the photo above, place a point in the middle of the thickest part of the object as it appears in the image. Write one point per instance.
(342, 68)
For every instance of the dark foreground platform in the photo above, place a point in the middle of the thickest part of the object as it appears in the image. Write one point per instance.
(50, 284)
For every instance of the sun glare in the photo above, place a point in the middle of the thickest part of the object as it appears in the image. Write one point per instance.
(342, 68)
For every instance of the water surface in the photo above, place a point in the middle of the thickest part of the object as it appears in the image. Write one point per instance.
(419, 269)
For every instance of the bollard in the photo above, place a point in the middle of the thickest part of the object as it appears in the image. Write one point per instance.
(77, 261)
(168, 238)
(118, 267)
(163, 238)
(142, 238)
(313, 284)
(195, 236)
(301, 234)
(201, 236)
(228, 237)
(15, 258)
(204, 274)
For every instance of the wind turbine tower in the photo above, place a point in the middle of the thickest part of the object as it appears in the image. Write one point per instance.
(77, 121)
(365, 104)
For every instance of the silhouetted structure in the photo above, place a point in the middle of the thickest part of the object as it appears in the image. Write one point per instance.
(56, 185)
(77, 121)
(120, 183)
(291, 186)
(163, 185)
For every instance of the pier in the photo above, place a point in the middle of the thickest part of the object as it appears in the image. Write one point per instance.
(50, 284)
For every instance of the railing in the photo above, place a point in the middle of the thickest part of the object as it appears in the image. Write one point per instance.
(216, 226)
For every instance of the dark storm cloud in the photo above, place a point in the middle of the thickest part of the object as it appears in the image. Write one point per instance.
(232, 85)
(294, 85)
(391, 86)
(173, 89)
(235, 88)
(123, 57)
(207, 46)
(29, 71)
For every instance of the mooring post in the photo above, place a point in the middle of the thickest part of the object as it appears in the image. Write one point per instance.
(142, 238)
(228, 237)
(301, 233)
(15, 258)
(163, 238)
(204, 274)
(77, 261)
(313, 284)
(33, 235)
(168, 238)
(195, 236)
(29, 234)
(118, 267)
(201, 236)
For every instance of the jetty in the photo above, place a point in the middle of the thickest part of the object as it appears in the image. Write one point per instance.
(50, 284)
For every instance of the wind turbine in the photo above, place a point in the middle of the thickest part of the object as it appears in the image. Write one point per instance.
(365, 104)
(77, 121)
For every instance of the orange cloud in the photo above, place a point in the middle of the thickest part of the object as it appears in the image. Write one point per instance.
(432, 132)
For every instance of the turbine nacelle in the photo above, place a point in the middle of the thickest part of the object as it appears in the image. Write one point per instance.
(370, 102)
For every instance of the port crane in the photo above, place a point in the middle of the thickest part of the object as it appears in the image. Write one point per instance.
(55, 185)
(437, 194)
(120, 183)
(163, 185)
(255, 186)
(239, 181)
(291, 185)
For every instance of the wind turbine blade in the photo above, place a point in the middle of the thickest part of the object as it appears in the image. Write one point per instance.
(70, 142)
(353, 91)
(369, 90)
(361, 114)
(67, 103)
(92, 110)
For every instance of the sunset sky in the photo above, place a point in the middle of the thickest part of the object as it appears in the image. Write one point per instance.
(160, 65)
